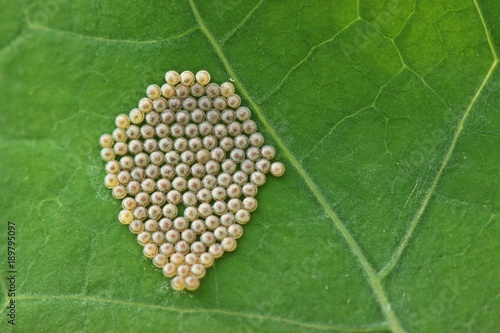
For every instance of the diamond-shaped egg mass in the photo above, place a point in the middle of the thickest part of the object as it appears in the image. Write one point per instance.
(186, 164)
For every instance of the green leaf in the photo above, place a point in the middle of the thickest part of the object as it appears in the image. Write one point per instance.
(385, 114)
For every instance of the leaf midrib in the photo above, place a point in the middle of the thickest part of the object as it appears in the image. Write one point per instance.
(373, 277)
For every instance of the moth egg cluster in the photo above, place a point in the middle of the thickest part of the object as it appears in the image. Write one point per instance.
(187, 164)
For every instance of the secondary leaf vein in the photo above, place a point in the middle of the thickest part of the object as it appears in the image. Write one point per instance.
(414, 222)
(307, 56)
(242, 23)
(417, 217)
(334, 127)
(110, 40)
(93, 299)
(486, 31)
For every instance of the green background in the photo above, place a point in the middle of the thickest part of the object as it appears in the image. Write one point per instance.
(385, 113)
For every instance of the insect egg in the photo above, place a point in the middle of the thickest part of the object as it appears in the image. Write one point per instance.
(119, 135)
(145, 105)
(160, 260)
(228, 244)
(106, 141)
(197, 90)
(126, 162)
(178, 283)
(172, 236)
(167, 90)
(212, 90)
(159, 104)
(133, 132)
(186, 164)
(187, 78)
(107, 154)
(172, 77)
(203, 77)
(110, 180)
(233, 101)
(182, 91)
(277, 169)
(206, 260)
(169, 270)
(199, 269)
(226, 89)
(153, 91)
(191, 259)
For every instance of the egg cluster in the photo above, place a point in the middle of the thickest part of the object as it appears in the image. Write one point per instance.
(187, 163)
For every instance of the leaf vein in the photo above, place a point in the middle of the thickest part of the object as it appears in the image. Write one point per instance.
(407, 19)
(307, 56)
(388, 268)
(110, 40)
(371, 275)
(181, 311)
(486, 31)
(242, 23)
(330, 132)
(13, 43)
(405, 65)
(417, 217)
(372, 105)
